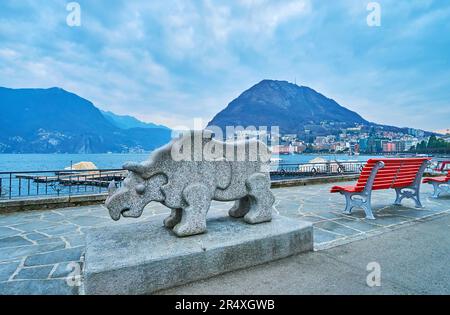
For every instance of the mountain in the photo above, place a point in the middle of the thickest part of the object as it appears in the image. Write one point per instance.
(128, 122)
(56, 121)
(291, 107)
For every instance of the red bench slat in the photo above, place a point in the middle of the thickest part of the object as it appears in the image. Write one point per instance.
(439, 179)
(381, 186)
(345, 188)
(405, 177)
(399, 175)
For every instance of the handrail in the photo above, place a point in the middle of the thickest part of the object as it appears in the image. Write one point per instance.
(62, 171)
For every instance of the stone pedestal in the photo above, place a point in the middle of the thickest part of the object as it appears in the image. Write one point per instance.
(142, 258)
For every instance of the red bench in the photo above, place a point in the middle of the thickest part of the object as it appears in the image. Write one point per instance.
(441, 166)
(440, 184)
(402, 174)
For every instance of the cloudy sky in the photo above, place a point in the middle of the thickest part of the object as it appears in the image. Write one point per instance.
(174, 60)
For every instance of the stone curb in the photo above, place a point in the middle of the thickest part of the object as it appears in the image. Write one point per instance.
(312, 180)
(10, 206)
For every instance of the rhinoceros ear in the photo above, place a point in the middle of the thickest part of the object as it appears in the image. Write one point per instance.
(134, 167)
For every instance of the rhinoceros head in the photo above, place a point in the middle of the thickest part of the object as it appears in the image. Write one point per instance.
(135, 193)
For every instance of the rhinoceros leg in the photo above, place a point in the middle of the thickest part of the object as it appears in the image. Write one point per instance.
(193, 217)
(261, 199)
(173, 219)
(240, 208)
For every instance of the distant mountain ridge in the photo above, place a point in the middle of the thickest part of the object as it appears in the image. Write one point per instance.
(128, 122)
(295, 109)
(283, 104)
(56, 121)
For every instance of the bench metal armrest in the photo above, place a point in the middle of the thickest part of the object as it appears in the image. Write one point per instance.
(372, 176)
(419, 175)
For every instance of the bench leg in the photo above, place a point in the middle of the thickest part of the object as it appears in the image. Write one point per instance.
(368, 209)
(436, 189)
(363, 202)
(348, 203)
(439, 188)
(408, 192)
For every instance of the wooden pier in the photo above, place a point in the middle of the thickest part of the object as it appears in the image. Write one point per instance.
(89, 178)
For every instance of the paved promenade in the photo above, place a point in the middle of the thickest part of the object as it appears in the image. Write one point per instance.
(39, 249)
(412, 260)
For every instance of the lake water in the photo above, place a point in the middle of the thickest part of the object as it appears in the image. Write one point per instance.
(15, 187)
(44, 162)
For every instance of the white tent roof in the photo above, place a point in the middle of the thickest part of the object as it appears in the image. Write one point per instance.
(318, 160)
(82, 166)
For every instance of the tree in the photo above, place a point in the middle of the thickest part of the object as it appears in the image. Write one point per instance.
(434, 145)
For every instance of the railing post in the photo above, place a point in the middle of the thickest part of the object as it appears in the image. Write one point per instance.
(70, 183)
(10, 185)
(57, 181)
(99, 183)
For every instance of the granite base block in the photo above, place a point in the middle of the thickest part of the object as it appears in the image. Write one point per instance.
(142, 258)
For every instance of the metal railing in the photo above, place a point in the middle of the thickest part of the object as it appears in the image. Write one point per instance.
(301, 170)
(23, 184)
(30, 184)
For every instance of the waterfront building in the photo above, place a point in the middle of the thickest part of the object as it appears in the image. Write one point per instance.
(281, 149)
(389, 146)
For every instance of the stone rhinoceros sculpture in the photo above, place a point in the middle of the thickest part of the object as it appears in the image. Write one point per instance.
(232, 172)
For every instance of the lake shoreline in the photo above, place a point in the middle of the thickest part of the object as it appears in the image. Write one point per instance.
(44, 162)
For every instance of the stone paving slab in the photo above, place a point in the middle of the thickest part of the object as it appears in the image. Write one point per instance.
(51, 237)
(7, 270)
(14, 241)
(37, 287)
(19, 252)
(62, 270)
(54, 257)
(40, 272)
